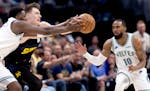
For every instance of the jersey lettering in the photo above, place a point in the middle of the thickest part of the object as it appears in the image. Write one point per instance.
(28, 50)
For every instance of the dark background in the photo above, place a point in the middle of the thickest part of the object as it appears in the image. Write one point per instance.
(104, 12)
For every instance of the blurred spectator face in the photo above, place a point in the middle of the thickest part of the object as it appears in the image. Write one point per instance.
(33, 16)
(87, 64)
(79, 39)
(141, 27)
(47, 56)
(57, 50)
(73, 50)
(45, 43)
(95, 40)
(22, 4)
(48, 49)
(63, 41)
(67, 49)
(111, 59)
(77, 58)
(96, 52)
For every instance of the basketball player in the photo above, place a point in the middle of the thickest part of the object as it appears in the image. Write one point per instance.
(11, 33)
(130, 58)
(18, 61)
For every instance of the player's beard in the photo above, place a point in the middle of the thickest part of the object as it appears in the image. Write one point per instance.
(118, 36)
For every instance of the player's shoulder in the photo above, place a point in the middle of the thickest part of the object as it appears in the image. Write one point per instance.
(137, 41)
(136, 38)
(19, 23)
(108, 43)
(10, 21)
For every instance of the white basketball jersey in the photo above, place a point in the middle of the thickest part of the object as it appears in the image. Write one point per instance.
(125, 54)
(8, 40)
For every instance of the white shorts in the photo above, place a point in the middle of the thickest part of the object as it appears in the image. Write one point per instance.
(138, 78)
(5, 77)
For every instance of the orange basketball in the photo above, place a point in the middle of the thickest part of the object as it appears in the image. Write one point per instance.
(89, 22)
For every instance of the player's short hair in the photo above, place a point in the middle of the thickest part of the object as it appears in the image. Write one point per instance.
(32, 5)
(15, 11)
(121, 20)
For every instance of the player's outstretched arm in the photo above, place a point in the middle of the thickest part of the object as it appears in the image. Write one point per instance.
(74, 24)
(96, 60)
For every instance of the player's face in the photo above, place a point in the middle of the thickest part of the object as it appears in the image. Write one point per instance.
(34, 16)
(118, 29)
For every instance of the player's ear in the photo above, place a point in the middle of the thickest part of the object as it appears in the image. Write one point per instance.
(125, 29)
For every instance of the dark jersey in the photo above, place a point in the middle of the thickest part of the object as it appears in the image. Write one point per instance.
(22, 54)
(18, 62)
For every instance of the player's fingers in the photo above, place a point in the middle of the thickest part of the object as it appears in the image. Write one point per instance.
(78, 19)
(80, 44)
(77, 45)
(76, 15)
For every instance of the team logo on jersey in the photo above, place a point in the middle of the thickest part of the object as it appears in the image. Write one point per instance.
(128, 47)
(116, 47)
(18, 74)
(140, 71)
(28, 50)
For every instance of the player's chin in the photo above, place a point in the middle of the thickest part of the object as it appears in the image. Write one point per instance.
(116, 34)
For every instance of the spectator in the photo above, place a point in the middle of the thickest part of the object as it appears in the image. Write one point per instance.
(79, 39)
(77, 67)
(7, 5)
(64, 71)
(141, 33)
(94, 44)
(99, 72)
(44, 68)
(145, 37)
(110, 82)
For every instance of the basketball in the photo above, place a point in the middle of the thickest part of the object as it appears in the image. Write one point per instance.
(89, 22)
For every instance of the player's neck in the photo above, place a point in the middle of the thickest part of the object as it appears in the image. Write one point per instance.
(123, 39)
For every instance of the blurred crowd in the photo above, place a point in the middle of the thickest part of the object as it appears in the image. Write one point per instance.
(56, 62)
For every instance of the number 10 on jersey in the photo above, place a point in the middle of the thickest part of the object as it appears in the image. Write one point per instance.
(127, 61)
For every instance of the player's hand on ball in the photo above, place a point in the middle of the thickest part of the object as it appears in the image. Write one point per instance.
(74, 24)
(89, 23)
(84, 23)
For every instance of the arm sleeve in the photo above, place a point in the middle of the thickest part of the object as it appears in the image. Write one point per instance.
(96, 60)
